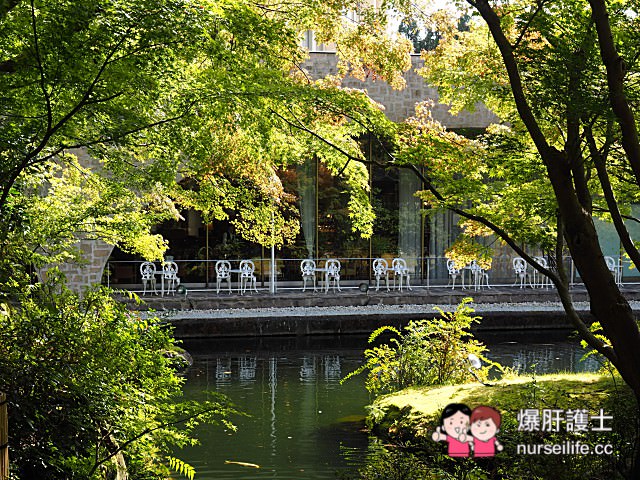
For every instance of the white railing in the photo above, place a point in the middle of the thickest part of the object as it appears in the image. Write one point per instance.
(426, 272)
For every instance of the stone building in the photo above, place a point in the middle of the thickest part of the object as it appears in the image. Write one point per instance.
(324, 232)
(414, 237)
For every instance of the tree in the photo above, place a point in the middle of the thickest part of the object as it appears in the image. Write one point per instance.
(564, 75)
(428, 41)
(104, 108)
(93, 387)
(152, 91)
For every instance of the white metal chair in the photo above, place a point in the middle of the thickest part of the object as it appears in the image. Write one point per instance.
(400, 270)
(332, 274)
(540, 280)
(520, 271)
(381, 270)
(223, 272)
(480, 276)
(614, 268)
(148, 275)
(170, 277)
(454, 272)
(247, 274)
(308, 270)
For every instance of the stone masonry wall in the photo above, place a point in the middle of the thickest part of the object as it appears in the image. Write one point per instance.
(95, 253)
(399, 104)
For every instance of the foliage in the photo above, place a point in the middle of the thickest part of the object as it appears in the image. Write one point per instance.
(427, 41)
(465, 250)
(426, 352)
(562, 152)
(148, 93)
(408, 465)
(89, 382)
(182, 468)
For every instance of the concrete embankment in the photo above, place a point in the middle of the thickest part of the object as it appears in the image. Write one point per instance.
(201, 324)
(201, 315)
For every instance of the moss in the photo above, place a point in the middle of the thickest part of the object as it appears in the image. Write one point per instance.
(511, 392)
(409, 417)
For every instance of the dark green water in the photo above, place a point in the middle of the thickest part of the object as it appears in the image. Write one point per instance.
(304, 424)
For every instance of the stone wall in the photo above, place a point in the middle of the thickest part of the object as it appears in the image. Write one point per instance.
(95, 253)
(399, 104)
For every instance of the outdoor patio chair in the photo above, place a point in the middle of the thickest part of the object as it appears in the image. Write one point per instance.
(520, 271)
(170, 277)
(614, 268)
(223, 272)
(148, 275)
(308, 270)
(480, 276)
(332, 274)
(400, 270)
(247, 274)
(540, 280)
(454, 272)
(381, 270)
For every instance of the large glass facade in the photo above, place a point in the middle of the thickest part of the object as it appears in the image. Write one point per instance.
(401, 229)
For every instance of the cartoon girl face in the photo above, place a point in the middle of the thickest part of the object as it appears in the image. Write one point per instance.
(484, 429)
(456, 424)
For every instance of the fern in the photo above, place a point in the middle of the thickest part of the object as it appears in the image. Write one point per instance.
(181, 467)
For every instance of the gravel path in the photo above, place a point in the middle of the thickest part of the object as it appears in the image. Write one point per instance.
(371, 310)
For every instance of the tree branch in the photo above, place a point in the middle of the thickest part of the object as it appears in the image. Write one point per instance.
(146, 432)
(43, 81)
(609, 196)
(26, 161)
(6, 6)
(526, 27)
(429, 184)
(522, 105)
(616, 71)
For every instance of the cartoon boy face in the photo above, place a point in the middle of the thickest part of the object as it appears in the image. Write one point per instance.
(456, 424)
(484, 429)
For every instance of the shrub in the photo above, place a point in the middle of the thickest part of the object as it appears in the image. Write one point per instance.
(426, 352)
(91, 385)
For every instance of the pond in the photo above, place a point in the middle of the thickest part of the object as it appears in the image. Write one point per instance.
(303, 423)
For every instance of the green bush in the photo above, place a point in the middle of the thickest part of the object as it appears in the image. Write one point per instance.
(426, 352)
(92, 385)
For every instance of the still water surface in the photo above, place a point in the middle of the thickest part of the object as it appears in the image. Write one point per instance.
(303, 423)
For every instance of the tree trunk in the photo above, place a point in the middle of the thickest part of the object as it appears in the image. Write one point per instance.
(608, 305)
(4, 438)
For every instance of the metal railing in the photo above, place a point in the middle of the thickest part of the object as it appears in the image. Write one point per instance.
(426, 272)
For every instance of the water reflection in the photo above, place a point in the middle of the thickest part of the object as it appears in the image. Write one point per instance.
(302, 418)
(304, 424)
(539, 352)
